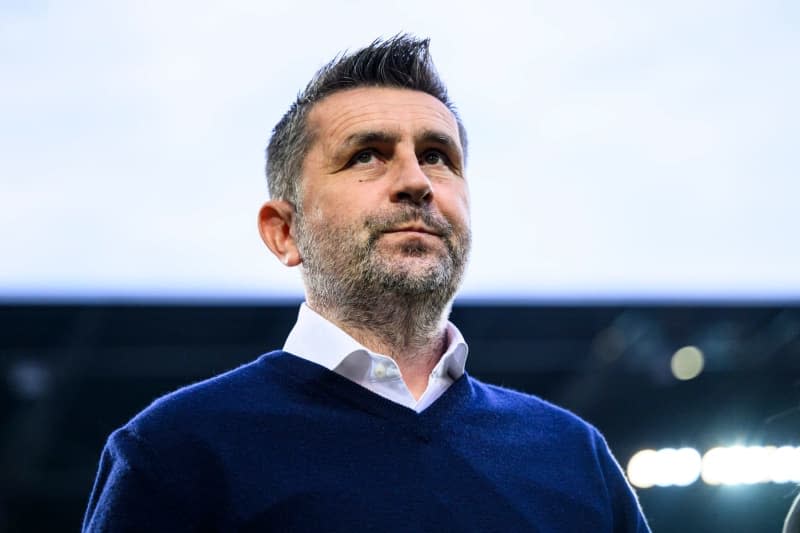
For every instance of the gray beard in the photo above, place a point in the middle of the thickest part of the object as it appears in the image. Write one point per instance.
(351, 283)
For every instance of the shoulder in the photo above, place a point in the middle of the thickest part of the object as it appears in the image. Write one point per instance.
(529, 410)
(558, 442)
(163, 470)
(194, 407)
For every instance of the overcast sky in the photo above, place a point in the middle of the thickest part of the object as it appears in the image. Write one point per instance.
(618, 149)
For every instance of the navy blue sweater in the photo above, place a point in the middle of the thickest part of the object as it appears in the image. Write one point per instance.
(282, 444)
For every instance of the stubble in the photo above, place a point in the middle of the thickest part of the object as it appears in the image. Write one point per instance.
(402, 298)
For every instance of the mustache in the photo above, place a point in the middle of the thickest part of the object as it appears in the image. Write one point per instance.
(385, 222)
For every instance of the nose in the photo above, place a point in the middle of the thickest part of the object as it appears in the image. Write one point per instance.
(411, 184)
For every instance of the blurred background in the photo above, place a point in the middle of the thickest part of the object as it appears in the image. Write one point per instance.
(634, 180)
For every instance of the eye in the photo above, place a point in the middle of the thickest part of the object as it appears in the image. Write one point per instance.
(435, 157)
(364, 157)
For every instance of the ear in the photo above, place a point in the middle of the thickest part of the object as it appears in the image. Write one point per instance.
(275, 221)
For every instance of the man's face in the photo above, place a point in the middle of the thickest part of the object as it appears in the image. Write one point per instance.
(384, 203)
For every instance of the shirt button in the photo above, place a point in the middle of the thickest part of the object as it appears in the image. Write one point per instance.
(379, 371)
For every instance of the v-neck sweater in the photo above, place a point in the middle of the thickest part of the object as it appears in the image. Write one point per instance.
(283, 444)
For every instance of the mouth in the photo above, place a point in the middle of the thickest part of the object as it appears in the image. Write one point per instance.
(414, 229)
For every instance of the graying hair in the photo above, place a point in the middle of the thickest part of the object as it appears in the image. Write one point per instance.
(402, 61)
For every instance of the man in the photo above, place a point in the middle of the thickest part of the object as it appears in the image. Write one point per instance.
(365, 421)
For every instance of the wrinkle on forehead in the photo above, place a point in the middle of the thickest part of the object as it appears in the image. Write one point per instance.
(401, 112)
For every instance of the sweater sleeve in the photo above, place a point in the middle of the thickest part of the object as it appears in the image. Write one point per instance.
(133, 493)
(627, 513)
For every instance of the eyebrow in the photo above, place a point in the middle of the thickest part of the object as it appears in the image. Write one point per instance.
(440, 138)
(371, 137)
(364, 138)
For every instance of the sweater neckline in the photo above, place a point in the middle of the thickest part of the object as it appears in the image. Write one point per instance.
(318, 379)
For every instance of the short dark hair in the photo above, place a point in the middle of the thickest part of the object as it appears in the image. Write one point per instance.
(402, 61)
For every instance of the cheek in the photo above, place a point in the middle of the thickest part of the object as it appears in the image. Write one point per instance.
(454, 202)
(349, 197)
(342, 220)
(328, 207)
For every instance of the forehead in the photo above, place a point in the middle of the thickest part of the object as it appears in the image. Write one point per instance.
(379, 108)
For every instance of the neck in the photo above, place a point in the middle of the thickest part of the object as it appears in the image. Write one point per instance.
(410, 330)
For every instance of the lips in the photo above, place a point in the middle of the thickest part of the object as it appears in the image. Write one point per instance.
(414, 229)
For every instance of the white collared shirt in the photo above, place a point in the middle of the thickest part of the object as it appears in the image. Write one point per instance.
(318, 340)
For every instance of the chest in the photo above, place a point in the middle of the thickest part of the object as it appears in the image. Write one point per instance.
(385, 475)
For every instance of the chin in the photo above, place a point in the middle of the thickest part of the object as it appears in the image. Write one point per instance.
(417, 265)
(415, 275)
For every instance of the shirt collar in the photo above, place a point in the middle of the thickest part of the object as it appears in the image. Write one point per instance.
(318, 340)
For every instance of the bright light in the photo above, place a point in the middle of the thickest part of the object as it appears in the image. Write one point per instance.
(784, 465)
(734, 465)
(667, 467)
(741, 465)
(641, 468)
(687, 363)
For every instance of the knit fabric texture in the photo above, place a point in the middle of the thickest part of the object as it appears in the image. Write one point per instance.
(283, 444)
